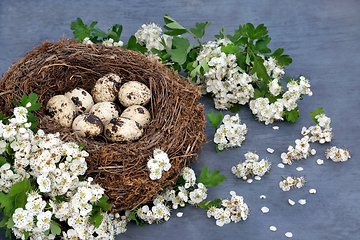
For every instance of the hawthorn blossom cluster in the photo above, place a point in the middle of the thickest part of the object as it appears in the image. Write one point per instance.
(251, 166)
(292, 182)
(107, 42)
(224, 80)
(233, 210)
(268, 111)
(321, 132)
(55, 167)
(231, 132)
(188, 193)
(159, 163)
(337, 154)
(300, 151)
(149, 36)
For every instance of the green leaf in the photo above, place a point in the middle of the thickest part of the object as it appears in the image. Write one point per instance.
(221, 33)
(99, 33)
(260, 69)
(96, 217)
(2, 161)
(20, 200)
(102, 203)
(15, 102)
(34, 124)
(207, 205)
(199, 31)
(260, 31)
(138, 221)
(230, 49)
(80, 30)
(31, 117)
(174, 28)
(235, 108)
(115, 32)
(261, 45)
(258, 93)
(182, 47)
(215, 120)
(213, 179)
(242, 41)
(55, 228)
(318, 111)
(81, 145)
(133, 45)
(7, 203)
(34, 107)
(19, 187)
(236, 36)
(282, 59)
(293, 115)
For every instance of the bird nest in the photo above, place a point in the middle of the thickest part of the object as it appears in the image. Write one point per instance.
(177, 124)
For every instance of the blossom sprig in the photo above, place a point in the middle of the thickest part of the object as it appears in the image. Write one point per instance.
(226, 211)
(150, 36)
(234, 69)
(159, 163)
(91, 35)
(230, 134)
(251, 166)
(292, 182)
(301, 150)
(189, 190)
(322, 131)
(41, 186)
(337, 154)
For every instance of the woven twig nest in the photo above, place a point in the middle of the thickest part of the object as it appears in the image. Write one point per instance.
(177, 125)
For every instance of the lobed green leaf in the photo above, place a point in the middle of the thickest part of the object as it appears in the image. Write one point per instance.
(213, 179)
(215, 120)
(207, 205)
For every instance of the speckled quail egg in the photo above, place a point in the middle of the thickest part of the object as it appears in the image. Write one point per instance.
(87, 125)
(134, 93)
(137, 113)
(123, 130)
(81, 98)
(106, 111)
(61, 109)
(106, 88)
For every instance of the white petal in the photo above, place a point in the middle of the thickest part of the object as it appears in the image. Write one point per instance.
(312, 191)
(299, 169)
(320, 161)
(257, 178)
(250, 180)
(232, 193)
(291, 202)
(275, 128)
(280, 165)
(265, 209)
(273, 228)
(270, 150)
(302, 201)
(262, 196)
(288, 234)
(179, 214)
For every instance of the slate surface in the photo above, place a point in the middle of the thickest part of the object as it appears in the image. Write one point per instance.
(322, 37)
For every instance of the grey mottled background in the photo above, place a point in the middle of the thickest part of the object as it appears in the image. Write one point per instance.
(322, 37)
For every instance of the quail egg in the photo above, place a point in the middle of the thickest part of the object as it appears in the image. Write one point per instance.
(123, 130)
(137, 113)
(81, 98)
(61, 109)
(105, 111)
(134, 93)
(87, 125)
(106, 88)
